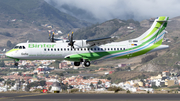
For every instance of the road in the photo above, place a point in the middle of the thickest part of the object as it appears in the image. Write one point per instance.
(87, 97)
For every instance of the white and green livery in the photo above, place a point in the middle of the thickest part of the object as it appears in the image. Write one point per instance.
(98, 49)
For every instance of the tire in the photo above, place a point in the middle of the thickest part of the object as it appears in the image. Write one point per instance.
(87, 63)
(16, 64)
(76, 63)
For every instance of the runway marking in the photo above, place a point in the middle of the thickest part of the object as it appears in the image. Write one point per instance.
(5, 98)
(23, 96)
(31, 95)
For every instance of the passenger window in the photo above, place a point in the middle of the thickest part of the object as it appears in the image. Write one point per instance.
(51, 49)
(64, 49)
(108, 48)
(98, 48)
(117, 48)
(121, 48)
(68, 49)
(124, 49)
(58, 49)
(94, 48)
(20, 47)
(61, 49)
(54, 49)
(101, 48)
(88, 48)
(48, 49)
(78, 49)
(44, 49)
(23, 47)
(104, 48)
(81, 49)
(111, 48)
(114, 48)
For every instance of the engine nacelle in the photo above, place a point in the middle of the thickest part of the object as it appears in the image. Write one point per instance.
(80, 44)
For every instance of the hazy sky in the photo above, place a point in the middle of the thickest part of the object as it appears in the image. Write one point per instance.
(103, 10)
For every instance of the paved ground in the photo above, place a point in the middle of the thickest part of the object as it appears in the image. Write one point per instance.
(88, 97)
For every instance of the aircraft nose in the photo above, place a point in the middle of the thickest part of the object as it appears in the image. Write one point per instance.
(8, 54)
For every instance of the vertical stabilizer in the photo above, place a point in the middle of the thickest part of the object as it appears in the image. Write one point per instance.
(156, 32)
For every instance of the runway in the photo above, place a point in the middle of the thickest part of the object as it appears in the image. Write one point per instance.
(87, 97)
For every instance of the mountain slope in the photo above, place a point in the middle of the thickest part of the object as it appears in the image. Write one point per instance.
(114, 27)
(28, 20)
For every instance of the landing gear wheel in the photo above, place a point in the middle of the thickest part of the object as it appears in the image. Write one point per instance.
(87, 63)
(76, 63)
(16, 64)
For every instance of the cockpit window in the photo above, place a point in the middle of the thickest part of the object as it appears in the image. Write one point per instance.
(16, 47)
(20, 47)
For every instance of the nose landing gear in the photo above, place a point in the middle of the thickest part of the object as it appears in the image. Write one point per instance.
(16, 62)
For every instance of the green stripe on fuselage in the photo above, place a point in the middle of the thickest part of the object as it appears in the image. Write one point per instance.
(12, 50)
(142, 51)
(157, 26)
(154, 29)
(97, 55)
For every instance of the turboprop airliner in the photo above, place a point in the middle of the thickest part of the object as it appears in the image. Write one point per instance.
(84, 51)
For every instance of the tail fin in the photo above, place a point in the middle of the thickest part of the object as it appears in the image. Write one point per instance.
(156, 32)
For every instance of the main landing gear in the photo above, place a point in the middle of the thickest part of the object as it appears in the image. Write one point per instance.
(86, 63)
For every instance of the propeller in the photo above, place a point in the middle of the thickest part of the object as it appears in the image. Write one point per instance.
(71, 42)
(51, 37)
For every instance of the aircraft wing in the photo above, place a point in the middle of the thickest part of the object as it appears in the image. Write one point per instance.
(100, 41)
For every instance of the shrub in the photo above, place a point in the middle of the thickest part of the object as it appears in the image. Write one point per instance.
(148, 92)
(115, 89)
(128, 92)
(74, 90)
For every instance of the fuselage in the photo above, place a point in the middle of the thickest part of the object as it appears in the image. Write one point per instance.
(61, 51)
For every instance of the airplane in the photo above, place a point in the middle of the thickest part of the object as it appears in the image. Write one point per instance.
(84, 51)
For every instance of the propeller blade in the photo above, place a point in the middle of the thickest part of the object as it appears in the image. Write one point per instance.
(68, 37)
(71, 42)
(71, 38)
(49, 36)
(52, 37)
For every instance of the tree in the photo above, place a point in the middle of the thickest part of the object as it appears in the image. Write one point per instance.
(42, 83)
(148, 58)
(9, 44)
(99, 82)
(61, 74)
(109, 78)
(91, 85)
(2, 64)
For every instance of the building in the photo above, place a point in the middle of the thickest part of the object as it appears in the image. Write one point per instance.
(63, 65)
(165, 73)
(56, 88)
